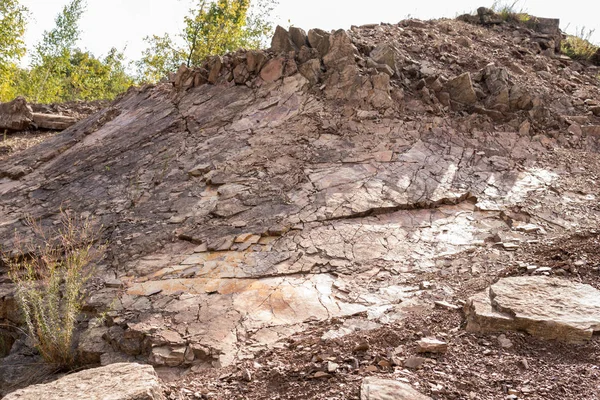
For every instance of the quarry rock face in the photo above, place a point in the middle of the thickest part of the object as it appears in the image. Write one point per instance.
(259, 192)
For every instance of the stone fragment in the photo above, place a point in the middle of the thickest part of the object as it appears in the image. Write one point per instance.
(386, 389)
(341, 50)
(281, 41)
(121, 381)
(241, 74)
(519, 99)
(461, 89)
(215, 65)
(549, 308)
(273, 69)
(307, 53)
(504, 342)
(15, 115)
(311, 70)
(431, 345)
(387, 54)
(446, 305)
(92, 345)
(255, 59)
(53, 122)
(414, 362)
(321, 375)
(298, 36)
(319, 40)
(496, 81)
(487, 16)
(332, 367)
(199, 170)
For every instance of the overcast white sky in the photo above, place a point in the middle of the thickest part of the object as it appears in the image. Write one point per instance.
(124, 23)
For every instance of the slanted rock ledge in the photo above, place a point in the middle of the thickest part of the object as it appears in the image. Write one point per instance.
(549, 308)
(122, 381)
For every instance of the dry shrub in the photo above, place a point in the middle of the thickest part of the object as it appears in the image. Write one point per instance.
(50, 272)
(578, 46)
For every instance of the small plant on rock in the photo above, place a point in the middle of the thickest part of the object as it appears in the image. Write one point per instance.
(50, 272)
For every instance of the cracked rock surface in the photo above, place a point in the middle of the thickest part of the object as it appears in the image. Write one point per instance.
(251, 196)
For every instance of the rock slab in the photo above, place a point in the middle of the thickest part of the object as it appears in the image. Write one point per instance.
(386, 389)
(124, 381)
(546, 307)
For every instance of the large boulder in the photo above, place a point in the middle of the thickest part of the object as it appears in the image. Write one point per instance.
(386, 389)
(122, 381)
(549, 308)
(15, 115)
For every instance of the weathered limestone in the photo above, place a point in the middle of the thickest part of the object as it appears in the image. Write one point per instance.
(114, 382)
(15, 115)
(386, 389)
(549, 308)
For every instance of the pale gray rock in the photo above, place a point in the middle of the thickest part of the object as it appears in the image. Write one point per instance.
(387, 389)
(121, 381)
(545, 307)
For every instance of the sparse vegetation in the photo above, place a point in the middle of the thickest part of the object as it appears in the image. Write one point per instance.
(579, 45)
(510, 12)
(50, 272)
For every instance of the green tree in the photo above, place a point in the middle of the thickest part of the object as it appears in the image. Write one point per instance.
(59, 71)
(13, 21)
(52, 56)
(213, 27)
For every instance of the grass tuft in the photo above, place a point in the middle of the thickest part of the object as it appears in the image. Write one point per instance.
(579, 45)
(509, 12)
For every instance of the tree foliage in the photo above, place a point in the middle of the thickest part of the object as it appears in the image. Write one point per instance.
(13, 21)
(59, 71)
(213, 27)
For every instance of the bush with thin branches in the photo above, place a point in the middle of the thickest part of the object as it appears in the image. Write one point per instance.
(50, 272)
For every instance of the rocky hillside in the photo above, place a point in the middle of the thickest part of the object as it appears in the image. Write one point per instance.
(415, 203)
